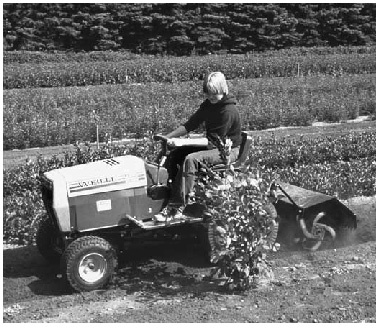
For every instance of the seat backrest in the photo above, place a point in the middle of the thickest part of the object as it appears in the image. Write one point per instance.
(244, 149)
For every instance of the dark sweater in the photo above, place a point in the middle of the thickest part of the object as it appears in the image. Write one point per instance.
(220, 119)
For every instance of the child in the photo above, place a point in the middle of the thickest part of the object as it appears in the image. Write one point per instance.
(221, 118)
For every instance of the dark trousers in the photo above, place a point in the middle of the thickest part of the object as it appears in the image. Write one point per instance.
(189, 160)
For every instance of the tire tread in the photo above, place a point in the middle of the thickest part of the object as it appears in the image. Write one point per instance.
(75, 247)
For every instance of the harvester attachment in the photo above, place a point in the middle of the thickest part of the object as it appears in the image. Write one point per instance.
(308, 217)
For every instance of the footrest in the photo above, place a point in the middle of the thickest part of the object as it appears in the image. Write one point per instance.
(152, 224)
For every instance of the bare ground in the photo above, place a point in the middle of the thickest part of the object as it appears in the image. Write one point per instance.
(169, 284)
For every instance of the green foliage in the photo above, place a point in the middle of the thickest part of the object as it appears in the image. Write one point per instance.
(240, 223)
(343, 166)
(303, 150)
(185, 28)
(41, 57)
(56, 116)
(182, 69)
(340, 179)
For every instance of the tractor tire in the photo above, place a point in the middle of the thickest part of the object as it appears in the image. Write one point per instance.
(274, 227)
(48, 240)
(214, 237)
(271, 211)
(218, 242)
(202, 235)
(89, 263)
(211, 240)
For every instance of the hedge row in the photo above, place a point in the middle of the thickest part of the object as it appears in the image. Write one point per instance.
(343, 166)
(294, 152)
(181, 69)
(43, 57)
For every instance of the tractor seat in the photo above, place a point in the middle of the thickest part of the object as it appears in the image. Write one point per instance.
(242, 156)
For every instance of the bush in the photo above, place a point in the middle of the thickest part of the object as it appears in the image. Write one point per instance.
(240, 226)
(236, 202)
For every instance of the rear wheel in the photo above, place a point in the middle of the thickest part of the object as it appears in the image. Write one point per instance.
(48, 241)
(89, 263)
(274, 226)
(217, 240)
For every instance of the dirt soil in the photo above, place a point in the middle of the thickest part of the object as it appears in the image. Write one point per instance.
(169, 283)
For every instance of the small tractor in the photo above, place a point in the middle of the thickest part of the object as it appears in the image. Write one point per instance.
(96, 210)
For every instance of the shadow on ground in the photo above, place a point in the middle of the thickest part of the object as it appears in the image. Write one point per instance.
(161, 267)
(166, 268)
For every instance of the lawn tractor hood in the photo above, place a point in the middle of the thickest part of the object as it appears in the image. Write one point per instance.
(290, 198)
(123, 172)
(97, 194)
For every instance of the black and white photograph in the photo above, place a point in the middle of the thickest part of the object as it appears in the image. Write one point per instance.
(175, 162)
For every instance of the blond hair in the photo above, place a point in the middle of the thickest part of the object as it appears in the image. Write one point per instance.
(215, 83)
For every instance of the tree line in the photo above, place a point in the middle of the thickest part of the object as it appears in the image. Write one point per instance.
(185, 28)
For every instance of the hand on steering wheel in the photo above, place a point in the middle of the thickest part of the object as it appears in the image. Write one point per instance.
(169, 142)
(159, 137)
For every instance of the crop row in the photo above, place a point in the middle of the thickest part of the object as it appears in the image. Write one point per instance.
(325, 149)
(41, 117)
(341, 166)
(353, 176)
(180, 69)
(270, 153)
(340, 179)
(41, 57)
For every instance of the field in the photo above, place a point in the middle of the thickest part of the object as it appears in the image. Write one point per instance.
(275, 89)
(338, 160)
(328, 286)
(163, 281)
(68, 70)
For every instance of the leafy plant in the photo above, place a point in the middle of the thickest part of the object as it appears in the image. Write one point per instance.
(240, 225)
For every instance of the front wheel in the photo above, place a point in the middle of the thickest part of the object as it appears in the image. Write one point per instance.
(89, 263)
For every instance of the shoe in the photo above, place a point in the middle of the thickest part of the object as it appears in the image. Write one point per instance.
(171, 212)
(162, 216)
(179, 213)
